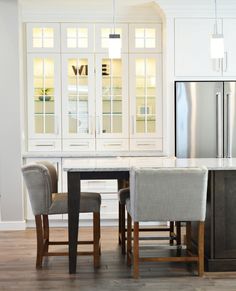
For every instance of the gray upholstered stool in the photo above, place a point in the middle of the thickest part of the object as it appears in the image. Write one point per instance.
(41, 181)
(168, 194)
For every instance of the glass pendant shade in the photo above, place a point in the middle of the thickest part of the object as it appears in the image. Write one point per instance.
(114, 49)
(217, 46)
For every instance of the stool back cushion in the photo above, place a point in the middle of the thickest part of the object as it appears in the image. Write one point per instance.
(169, 194)
(40, 187)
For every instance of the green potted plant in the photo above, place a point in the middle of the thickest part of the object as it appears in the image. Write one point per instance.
(44, 94)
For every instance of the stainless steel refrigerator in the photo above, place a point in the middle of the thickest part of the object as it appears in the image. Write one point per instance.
(205, 119)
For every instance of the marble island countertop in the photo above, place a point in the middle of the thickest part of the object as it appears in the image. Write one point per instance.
(125, 163)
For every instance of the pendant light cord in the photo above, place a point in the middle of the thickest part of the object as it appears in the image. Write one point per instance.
(114, 9)
(216, 30)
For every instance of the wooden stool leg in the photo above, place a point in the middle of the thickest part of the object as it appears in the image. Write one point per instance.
(40, 246)
(122, 214)
(119, 219)
(178, 233)
(201, 248)
(136, 250)
(129, 244)
(171, 233)
(96, 239)
(46, 232)
(188, 235)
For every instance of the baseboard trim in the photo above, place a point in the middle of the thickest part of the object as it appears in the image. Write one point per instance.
(12, 225)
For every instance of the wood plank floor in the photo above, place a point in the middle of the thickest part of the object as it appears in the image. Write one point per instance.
(17, 269)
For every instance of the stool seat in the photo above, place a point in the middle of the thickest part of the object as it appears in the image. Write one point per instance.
(89, 202)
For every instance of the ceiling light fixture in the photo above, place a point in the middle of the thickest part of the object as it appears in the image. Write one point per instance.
(217, 40)
(114, 46)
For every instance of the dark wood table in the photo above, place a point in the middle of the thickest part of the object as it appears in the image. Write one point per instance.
(74, 178)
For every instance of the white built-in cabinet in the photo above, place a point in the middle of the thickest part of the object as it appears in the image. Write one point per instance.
(80, 100)
(192, 48)
(44, 102)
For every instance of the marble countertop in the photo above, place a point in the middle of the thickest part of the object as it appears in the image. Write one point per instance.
(125, 163)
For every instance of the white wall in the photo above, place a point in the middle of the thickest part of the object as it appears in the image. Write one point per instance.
(10, 130)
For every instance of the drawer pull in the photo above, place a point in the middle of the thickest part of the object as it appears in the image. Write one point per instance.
(79, 144)
(146, 144)
(112, 144)
(44, 145)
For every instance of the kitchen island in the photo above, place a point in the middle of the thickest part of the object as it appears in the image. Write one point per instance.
(220, 235)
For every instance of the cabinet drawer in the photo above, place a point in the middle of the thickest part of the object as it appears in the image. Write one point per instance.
(112, 145)
(146, 145)
(44, 145)
(101, 186)
(79, 145)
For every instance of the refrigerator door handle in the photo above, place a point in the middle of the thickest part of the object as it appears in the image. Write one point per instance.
(219, 129)
(229, 141)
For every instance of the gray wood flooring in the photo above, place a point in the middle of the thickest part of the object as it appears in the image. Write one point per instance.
(17, 269)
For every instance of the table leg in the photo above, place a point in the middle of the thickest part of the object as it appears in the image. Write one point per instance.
(73, 217)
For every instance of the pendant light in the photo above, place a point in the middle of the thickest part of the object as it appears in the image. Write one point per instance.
(114, 45)
(217, 40)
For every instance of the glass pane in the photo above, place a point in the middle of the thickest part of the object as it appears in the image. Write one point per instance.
(48, 42)
(140, 86)
(106, 124)
(72, 124)
(38, 67)
(140, 124)
(140, 67)
(139, 43)
(48, 32)
(49, 124)
(117, 107)
(151, 124)
(71, 42)
(117, 68)
(49, 107)
(83, 108)
(71, 33)
(106, 107)
(37, 42)
(38, 106)
(37, 32)
(83, 124)
(150, 33)
(139, 33)
(151, 105)
(151, 67)
(83, 43)
(49, 68)
(105, 43)
(72, 106)
(105, 32)
(150, 43)
(39, 124)
(82, 32)
(117, 124)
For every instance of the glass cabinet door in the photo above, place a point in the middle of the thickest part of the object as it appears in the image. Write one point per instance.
(102, 32)
(43, 37)
(43, 96)
(78, 96)
(112, 102)
(145, 38)
(146, 95)
(77, 38)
